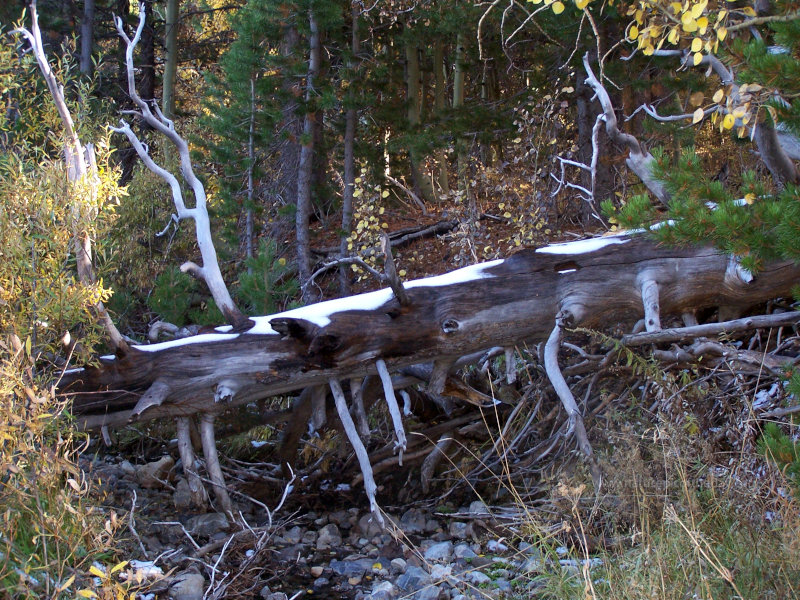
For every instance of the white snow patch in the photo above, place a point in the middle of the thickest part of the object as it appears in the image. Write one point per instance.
(195, 339)
(583, 246)
(565, 271)
(70, 371)
(257, 443)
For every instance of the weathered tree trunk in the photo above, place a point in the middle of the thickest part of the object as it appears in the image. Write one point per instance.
(349, 155)
(440, 104)
(594, 283)
(305, 169)
(87, 38)
(170, 60)
(458, 101)
(422, 184)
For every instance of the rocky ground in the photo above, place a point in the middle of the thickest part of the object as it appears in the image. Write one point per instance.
(470, 551)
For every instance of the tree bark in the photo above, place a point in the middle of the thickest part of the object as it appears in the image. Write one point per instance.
(440, 89)
(422, 184)
(349, 155)
(503, 303)
(305, 169)
(87, 38)
(170, 60)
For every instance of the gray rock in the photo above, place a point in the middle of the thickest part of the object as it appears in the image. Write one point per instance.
(464, 551)
(317, 570)
(413, 579)
(352, 568)
(413, 521)
(478, 508)
(340, 518)
(188, 586)
(430, 592)
(293, 535)
(207, 525)
(321, 582)
(310, 538)
(532, 564)
(459, 530)
(477, 578)
(398, 565)
(182, 497)
(368, 526)
(383, 590)
(274, 595)
(503, 585)
(442, 573)
(431, 525)
(127, 468)
(442, 552)
(329, 537)
(290, 553)
(152, 474)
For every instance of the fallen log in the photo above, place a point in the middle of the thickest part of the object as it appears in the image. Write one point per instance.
(591, 283)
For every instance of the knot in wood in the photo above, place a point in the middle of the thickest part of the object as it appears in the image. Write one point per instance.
(450, 325)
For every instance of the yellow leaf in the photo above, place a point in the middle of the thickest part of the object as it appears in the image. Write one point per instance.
(721, 15)
(749, 11)
(381, 210)
(66, 584)
(722, 34)
(676, 7)
(672, 38)
(697, 9)
(402, 273)
(507, 215)
(558, 7)
(690, 26)
(648, 49)
(750, 198)
(728, 121)
(87, 594)
(581, 4)
(517, 140)
(356, 194)
(698, 116)
(633, 32)
(385, 194)
(96, 572)
(702, 23)
(719, 95)
(698, 58)
(697, 44)
(535, 1)
(741, 132)
(739, 112)
(124, 563)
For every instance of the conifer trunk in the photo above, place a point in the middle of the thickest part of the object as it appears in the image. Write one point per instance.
(87, 38)
(422, 183)
(170, 60)
(305, 168)
(440, 104)
(349, 155)
(458, 101)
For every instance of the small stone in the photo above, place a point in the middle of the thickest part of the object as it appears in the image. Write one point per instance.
(293, 535)
(430, 592)
(182, 497)
(398, 565)
(368, 526)
(496, 546)
(442, 551)
(317, 571)
(503, 585)
(532, 564)
(329, 537)
(441, 572)
(291, 553)
(321, 582)
(431, 525)
(478, 508)
(464, 551)
(478, 578)
(127, 468)
(413, 521)
(383, 590)
(151, 475)
(355, 580)
(459, 530)
(310, 538)
(188, 586)
(413, 579)
(207, 525)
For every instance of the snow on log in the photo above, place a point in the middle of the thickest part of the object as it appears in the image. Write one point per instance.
(500, 303)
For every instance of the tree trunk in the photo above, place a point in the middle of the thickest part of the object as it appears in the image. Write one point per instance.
(305, 168)
(87, 38)
(422, 184)
(594, 283)
(147, 65)
(170, 60)
(440, 89)
(458, 101)
(349, 156)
